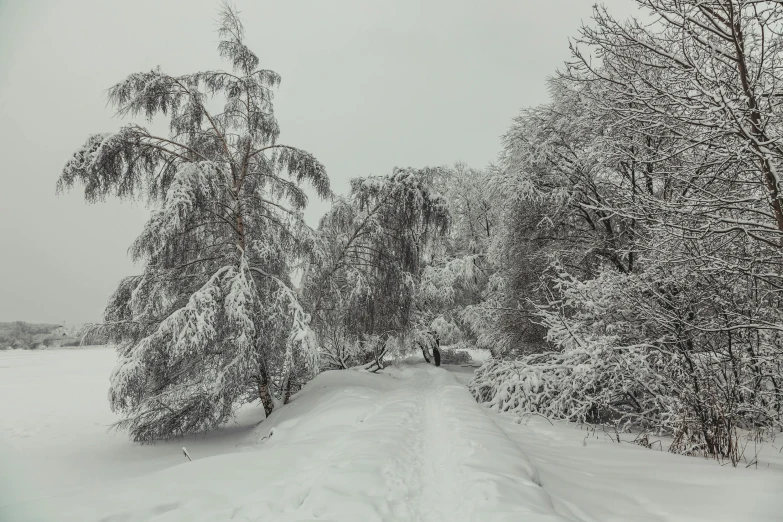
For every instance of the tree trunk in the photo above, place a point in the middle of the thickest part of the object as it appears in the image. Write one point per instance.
(426, 353)
(287, 390)
(757, 126)
(264, 395)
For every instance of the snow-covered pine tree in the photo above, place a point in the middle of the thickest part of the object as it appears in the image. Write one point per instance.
(213, 320)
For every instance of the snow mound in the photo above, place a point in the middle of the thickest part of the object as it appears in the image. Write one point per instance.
(407, 444)
(592, 478)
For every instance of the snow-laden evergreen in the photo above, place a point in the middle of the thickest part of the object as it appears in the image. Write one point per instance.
(213, 319)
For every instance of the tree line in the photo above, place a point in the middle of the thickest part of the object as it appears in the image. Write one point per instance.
(650, 186)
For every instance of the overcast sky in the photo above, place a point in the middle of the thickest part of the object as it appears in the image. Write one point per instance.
(367, 85)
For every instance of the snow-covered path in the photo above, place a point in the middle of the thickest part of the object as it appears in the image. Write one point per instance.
(425, 452)
(406, 444)
(450, 461)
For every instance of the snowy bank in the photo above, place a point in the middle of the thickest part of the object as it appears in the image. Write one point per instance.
(409, 443)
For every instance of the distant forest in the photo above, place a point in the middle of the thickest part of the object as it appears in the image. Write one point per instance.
(22, 335)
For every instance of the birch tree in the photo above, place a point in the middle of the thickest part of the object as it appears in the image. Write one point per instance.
(371, 250)
(213, 320)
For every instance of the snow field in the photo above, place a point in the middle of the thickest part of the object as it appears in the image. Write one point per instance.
(594, 479)
(407, 444)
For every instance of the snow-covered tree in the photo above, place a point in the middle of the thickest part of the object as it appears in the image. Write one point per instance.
(213, 320)
(457, 298)
(371, 249)
(707, 76)
(560, 175)
(649, 184)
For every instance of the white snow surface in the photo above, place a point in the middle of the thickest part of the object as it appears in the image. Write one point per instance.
(409, 443)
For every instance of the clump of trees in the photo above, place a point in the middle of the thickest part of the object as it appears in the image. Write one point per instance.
(22, 335)
(458, 294)
(404, 263)
(371, 251)
(215, 320)
(650, 186)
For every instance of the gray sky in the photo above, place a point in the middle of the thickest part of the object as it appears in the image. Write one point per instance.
(367, 85)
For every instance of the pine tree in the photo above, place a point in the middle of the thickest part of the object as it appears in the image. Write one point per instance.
(213, 320)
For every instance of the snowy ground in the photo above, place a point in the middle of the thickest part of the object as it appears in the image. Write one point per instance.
(408, 444)
(54, 419)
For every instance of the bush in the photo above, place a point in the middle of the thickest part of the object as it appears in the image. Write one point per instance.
(623, 353)
(448, 356)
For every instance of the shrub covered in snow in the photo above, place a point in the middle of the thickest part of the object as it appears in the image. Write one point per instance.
(451, 356)
(628, 350)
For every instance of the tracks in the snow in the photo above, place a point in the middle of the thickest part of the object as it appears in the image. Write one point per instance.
(461, 466)
(429, 472)
(440, 474)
